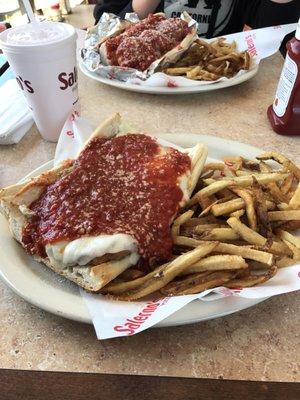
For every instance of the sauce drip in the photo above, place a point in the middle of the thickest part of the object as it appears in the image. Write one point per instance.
(126, 184)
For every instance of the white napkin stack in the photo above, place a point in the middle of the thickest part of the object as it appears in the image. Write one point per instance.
(15, 115)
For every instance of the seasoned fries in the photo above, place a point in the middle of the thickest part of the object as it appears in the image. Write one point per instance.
(217, 263)
(234, 232)
(210, 61)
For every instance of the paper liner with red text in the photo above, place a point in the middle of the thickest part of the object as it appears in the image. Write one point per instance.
(117, 318)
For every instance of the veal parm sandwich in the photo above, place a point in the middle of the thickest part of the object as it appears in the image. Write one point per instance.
(91, 218)
(140, 44)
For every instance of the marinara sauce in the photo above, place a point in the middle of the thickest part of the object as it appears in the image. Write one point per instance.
(146, 41)
(120, 185)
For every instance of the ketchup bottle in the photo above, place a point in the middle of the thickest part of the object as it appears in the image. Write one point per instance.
(284, 113)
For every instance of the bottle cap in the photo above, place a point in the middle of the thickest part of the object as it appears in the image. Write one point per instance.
(298, 31)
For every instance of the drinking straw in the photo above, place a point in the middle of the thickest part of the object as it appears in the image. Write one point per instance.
(29, 11)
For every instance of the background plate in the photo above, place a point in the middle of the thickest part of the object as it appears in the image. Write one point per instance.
(40, 286)
(165, 90)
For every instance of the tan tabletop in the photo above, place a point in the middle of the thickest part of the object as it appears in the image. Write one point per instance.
(258, 343)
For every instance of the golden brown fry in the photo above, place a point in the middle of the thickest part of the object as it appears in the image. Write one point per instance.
(249, 204)
(215, 166)
(288, 215)
(175, 230)
(199, 157)
(255, 238)
(226, 193)
(251, 254)
(206, 204)
(257, 266)
(243, 181)
(201, 228)
(243, 173)
(284, 235)
(283, 262)
(281, 159)
(276, 193)
(130, 274)
(216, 263)
(186, 241)
(287, 184)
(251, 280)
(209, 219)
(228, 207)
(282, 206)
(295, 200)
(165, 275)
(198, 73)
(115, 288)
(287, 225)
(237, 214)
(248, 234)
(294, 249)
(220, 234)
(226, 248)
(178, 71)
(197, 283)
(183, 218)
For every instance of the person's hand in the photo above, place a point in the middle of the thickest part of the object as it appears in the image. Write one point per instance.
(2, 27)
(144, 7)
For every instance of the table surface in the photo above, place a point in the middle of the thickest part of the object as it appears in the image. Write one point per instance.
(256, 344)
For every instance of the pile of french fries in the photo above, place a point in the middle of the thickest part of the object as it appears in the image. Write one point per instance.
(206, 61)
(235, 231)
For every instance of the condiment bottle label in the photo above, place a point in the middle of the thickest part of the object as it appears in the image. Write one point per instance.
(285, 86)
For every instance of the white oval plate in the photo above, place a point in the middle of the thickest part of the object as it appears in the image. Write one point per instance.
(40, 286)
(166, 90)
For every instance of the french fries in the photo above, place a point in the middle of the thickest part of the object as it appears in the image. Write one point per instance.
(234, 232)
(217, 263)
(284, 215)
(251, 280)
(243, 181)
(198, 283)
(162, 276)
(295, 200)
(210, 61)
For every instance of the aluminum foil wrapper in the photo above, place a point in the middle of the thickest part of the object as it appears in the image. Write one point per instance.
(111, 25)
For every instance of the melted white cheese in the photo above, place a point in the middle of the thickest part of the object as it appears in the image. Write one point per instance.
(81, 251)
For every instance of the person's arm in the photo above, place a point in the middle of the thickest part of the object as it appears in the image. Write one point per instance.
(144, 7)
(273, 12)
(110, 6)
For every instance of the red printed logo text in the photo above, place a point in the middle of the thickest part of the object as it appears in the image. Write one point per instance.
(131, 325)
(24, 84)
(251, 46)
(68, 79)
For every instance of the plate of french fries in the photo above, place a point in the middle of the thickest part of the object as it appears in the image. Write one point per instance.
(239, 229)
(206, 65)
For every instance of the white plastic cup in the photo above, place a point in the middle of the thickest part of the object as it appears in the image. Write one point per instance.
(43, 59)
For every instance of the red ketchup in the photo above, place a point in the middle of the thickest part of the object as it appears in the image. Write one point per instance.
(284, 113)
